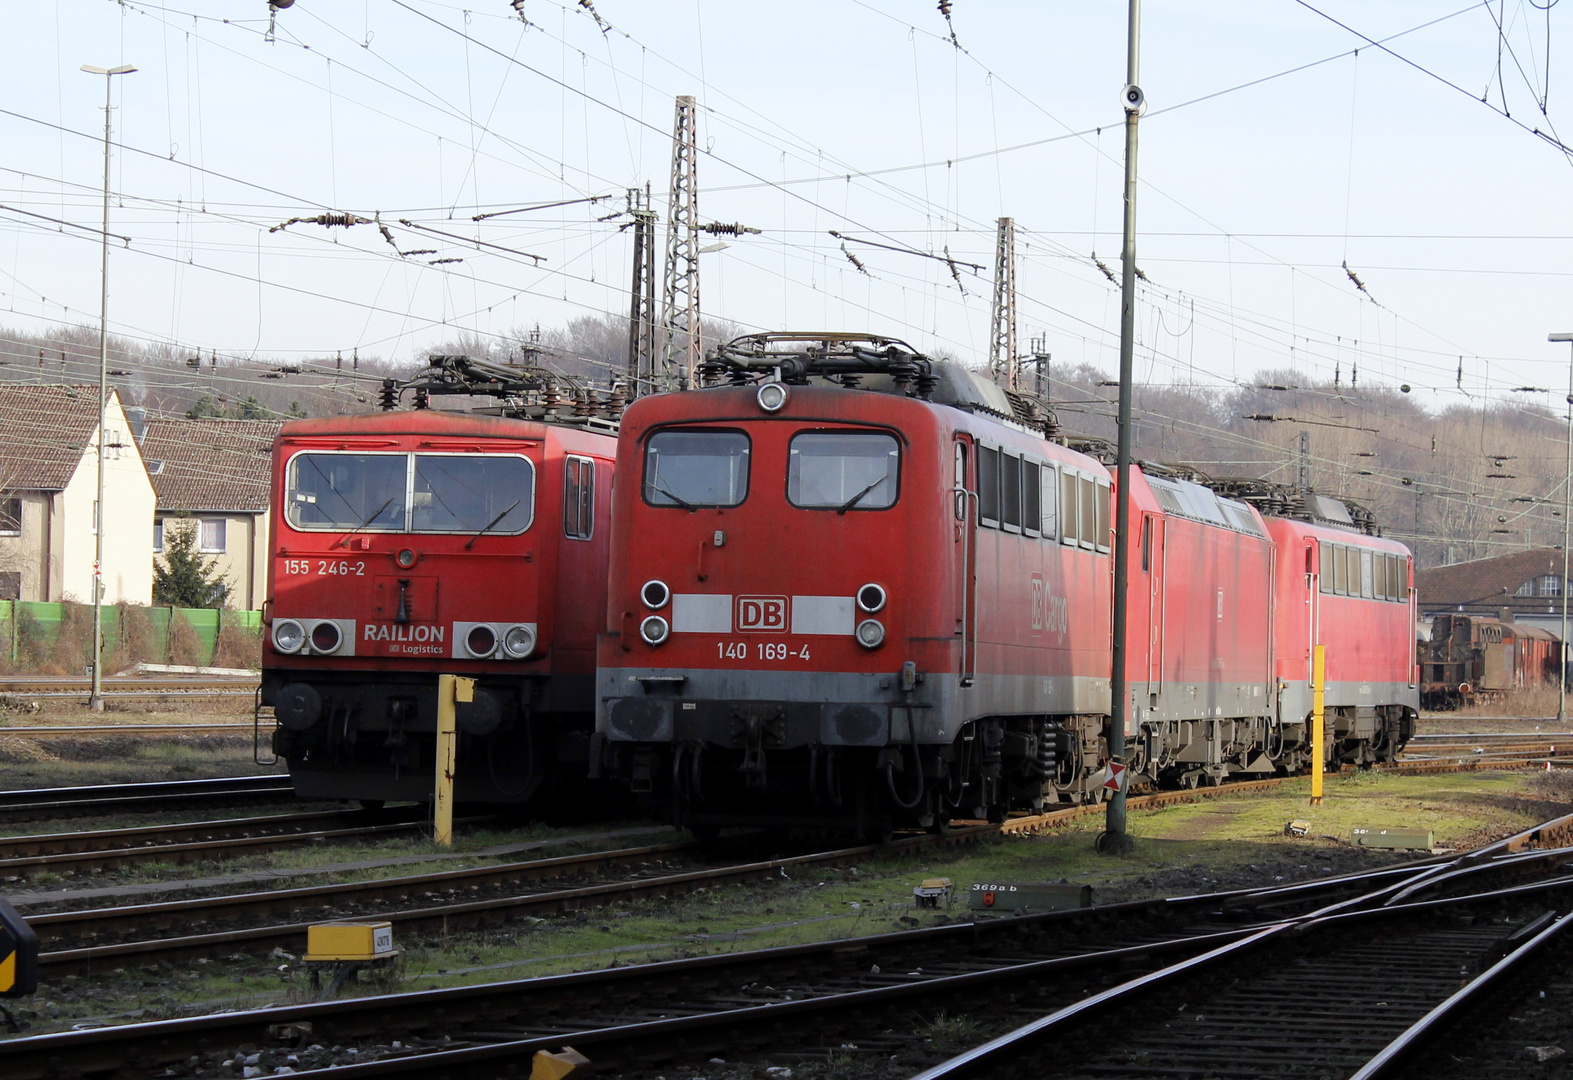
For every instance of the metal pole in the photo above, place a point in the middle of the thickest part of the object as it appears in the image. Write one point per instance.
(1567, 505)
(1114, 839)
(95, 699)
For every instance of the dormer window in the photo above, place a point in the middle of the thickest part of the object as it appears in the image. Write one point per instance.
(1544, 585)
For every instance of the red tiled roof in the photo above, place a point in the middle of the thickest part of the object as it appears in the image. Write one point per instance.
(44, 431)
(210, 465)
(1482, 583)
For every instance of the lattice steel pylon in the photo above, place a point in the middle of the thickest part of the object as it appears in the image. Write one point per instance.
(642, 312)
(680, 355)
(1004, 364)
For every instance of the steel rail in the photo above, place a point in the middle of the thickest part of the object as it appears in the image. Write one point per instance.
(617, 1046)
(136, 919)
(71, 801)
(992, 1056)
(106, 1050)
(1391, 1058)
(198, 851)
(62, 843)
(125, 729)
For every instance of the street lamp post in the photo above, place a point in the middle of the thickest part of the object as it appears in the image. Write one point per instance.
(95, 700)
(1567, 503)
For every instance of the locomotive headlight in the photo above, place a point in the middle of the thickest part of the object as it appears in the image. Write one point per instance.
(871, 633)
(519, 641)
(655, 629)
(481, 640)
(326, 637)
(288, 636)
(655, 594)
(771, 396)
(405, 558)
(871, 598)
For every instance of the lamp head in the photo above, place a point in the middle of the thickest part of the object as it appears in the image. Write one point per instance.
(123, 69)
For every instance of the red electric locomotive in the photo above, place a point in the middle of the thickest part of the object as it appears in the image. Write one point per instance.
(853, 586)
(417, 542)
(1352, 592)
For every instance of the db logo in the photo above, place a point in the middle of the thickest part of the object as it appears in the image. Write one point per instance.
(762, 614)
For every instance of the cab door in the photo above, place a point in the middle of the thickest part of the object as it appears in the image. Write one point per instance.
(964, 512)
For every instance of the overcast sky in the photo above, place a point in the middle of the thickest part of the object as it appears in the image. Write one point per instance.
(859, 116)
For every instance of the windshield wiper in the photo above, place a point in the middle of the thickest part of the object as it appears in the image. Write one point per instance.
(690, 507)
(854, 500)
(375, 514)
(490, 523)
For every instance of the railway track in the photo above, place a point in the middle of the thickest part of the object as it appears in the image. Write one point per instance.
(201, 841)
(49, 803)
(126, 729)
(99, 939)
(128, 686)
(771, 1004)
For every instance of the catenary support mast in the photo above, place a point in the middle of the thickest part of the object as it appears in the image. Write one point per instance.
(1004, 363)
(1114, 839)
(681, 351)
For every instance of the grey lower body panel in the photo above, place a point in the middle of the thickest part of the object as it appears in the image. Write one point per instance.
(659, 705)
(1295, 700)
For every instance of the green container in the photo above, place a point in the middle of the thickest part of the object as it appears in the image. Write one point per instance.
(1393, 839)
(1030, 896)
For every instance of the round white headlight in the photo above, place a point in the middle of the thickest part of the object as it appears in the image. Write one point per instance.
(288, 636)
(871, 598)
(519, 641)
(771, 396)
(655, 629)
(655, 594)
(871, 633)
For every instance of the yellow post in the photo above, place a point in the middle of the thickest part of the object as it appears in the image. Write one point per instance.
(451, 689)
(1318, 719)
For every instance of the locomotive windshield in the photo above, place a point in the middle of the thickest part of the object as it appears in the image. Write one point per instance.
(842, 470)
(696, 468)
(346, 491)
(468, 493)
(419, 493)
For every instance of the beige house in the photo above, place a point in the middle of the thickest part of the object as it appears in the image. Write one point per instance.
(49, 495)
(215, 473)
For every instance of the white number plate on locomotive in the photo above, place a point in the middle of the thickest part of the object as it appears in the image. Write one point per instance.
(760, 650)
(327, 567)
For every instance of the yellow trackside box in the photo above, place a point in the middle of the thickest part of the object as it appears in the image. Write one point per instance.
(349, 941)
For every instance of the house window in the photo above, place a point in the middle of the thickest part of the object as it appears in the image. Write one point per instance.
(158, 534)
(214, 532)
(10, 516)
(1549, 585)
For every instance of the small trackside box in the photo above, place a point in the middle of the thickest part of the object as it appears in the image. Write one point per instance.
(1029, 896)
(349, 941)
(1393, 839)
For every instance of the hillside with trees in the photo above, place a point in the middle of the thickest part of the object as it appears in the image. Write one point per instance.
(1467, 481)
